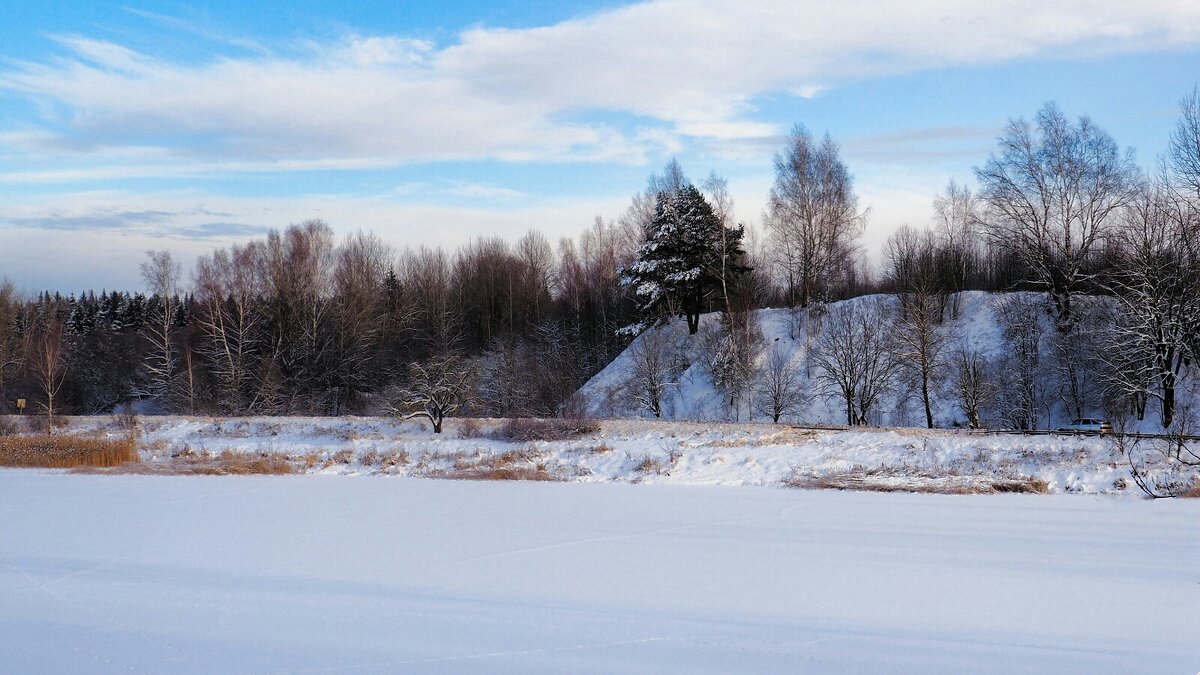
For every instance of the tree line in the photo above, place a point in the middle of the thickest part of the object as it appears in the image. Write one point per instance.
(304, 322)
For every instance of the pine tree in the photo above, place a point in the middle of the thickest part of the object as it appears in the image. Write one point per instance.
(682, 262)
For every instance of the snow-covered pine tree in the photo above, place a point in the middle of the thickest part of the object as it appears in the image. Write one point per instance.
(680, 264)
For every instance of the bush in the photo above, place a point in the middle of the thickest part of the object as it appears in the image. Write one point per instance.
(525, 429)
(38, 423)
(126, 418)
(63, 452)
(9, 427)
(469, 427)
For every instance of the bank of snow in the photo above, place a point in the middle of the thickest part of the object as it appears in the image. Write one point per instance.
(691, 395)
(647, 451)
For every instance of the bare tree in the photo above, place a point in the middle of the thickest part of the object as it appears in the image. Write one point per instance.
(298, 266)
(1051, 194)
(813, 216)
(161, 274)
(853, 359)
(956, 217)
(1021, 396)
(49, 365)
(731, 350)
(920, 345)
(357, 318)
(1163, 466)
(779, 390)
(973, 384)
(229, 289)
(656, 356)
(921, 336)
(436, 389)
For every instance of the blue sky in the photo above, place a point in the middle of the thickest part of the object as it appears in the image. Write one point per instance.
(137, 125)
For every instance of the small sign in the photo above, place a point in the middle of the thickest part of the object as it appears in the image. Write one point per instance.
(21, 404)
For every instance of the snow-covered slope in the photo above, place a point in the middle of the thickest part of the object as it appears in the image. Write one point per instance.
(693, 396)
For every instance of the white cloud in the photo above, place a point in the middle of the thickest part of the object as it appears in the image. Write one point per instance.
(690, 69)
(98, 237)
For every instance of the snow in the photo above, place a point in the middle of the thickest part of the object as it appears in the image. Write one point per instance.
(693, 395)
(668, 452)
(103, 574)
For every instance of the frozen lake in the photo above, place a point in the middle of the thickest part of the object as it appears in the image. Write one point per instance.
(368, 574)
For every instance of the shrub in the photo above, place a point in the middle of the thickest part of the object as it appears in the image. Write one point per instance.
(649, 465)
(38, 423)
(63, 452)
(9, 427)
(469, 427)
(126, 418)
(525, 429)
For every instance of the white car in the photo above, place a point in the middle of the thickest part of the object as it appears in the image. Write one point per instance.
(1087, 425)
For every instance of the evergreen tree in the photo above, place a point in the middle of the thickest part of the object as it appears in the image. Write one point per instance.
(681, 263)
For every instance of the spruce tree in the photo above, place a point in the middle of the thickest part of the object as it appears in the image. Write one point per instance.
(681, 263)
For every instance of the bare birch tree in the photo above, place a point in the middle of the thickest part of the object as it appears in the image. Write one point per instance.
(1051, 194)
(161, 274)
(956, 217)
(228, 292)
(813, 216)
(49, 366)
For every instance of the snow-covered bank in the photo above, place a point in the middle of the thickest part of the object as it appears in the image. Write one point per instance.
(647, 451)
(690, 393)
(105, 574)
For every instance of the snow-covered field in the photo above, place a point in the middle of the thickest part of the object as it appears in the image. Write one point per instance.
(106, 574)
(645, 451)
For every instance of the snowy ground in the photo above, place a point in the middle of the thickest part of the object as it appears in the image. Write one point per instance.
(104, 574)
(645, 451)
(692, 395)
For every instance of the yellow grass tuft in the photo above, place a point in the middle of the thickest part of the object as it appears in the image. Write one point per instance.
(66, 452)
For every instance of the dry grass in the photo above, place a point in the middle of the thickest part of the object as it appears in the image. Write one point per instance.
(534, 473)
(66, 452)
(883, 480)
(518, 464)
(224, 463)
(1193, 493)
(526, 429)
(649, 465)
(601, 449)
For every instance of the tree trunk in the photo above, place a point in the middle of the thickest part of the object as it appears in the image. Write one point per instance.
(925, 398)
(1168, 399)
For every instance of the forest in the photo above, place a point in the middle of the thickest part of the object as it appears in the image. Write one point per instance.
(303, 322)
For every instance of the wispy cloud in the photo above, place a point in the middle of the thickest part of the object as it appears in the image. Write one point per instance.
(691, 70)
(923, 144)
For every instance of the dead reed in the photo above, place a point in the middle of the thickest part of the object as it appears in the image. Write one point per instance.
(66, 452)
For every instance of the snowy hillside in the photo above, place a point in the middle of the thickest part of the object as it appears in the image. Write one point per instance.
(691, 393)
